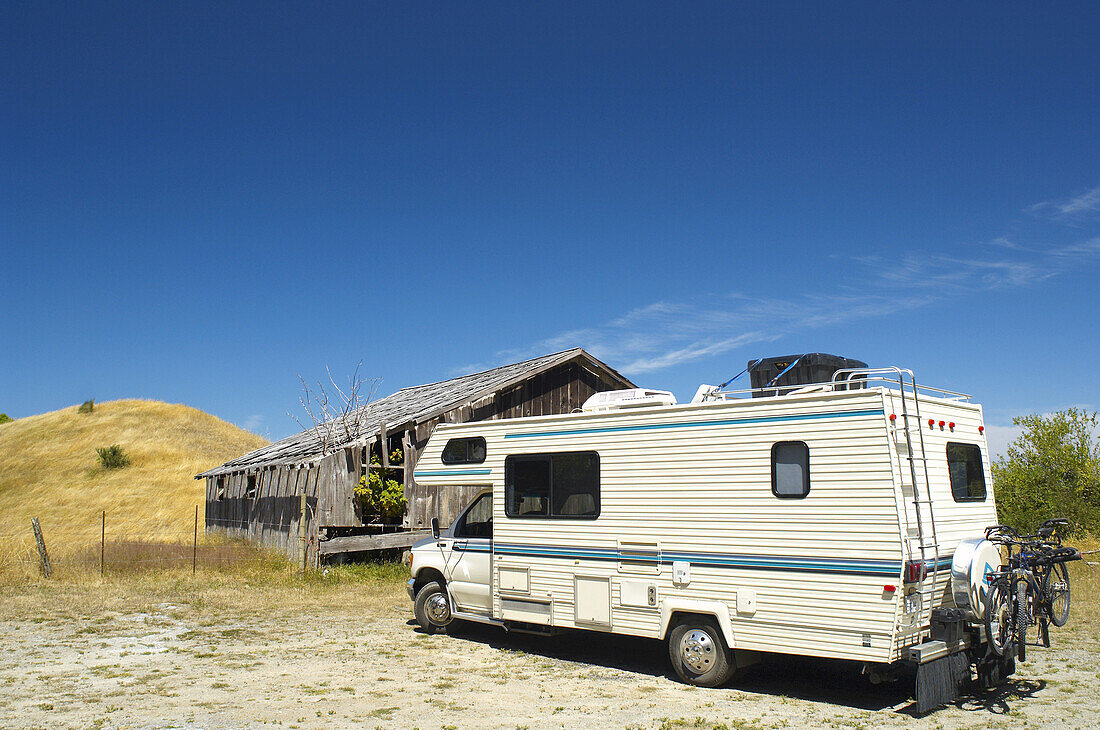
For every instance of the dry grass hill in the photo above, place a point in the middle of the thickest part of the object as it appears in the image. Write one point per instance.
(49, 469)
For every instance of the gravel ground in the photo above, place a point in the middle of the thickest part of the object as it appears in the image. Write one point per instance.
(201, 666)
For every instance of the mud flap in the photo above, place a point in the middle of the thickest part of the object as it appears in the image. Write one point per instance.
(941, 681)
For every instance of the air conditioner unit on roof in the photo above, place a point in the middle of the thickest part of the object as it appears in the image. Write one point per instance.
(612, 400)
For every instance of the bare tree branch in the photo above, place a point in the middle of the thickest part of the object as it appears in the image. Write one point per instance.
(334, 411)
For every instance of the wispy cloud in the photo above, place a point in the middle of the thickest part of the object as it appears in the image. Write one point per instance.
(663, 334)
(1085, 204)
(254, 423)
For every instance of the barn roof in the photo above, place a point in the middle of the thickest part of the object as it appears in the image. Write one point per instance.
(415, 404)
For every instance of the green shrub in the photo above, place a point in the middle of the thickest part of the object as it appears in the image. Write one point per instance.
(379, 495)
(5, 418)
(87, 406)
(113, 457)
(1051, 470)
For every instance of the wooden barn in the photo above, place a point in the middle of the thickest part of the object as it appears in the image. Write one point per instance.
(294, 497)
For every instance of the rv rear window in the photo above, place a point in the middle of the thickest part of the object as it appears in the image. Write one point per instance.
(964, 463)
(790, 469)
(553, 485)
(464, 451)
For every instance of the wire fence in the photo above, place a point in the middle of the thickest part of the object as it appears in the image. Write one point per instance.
(46, 546)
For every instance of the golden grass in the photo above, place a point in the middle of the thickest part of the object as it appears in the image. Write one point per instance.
(49, 469)
(1084, 583)
(267, 583)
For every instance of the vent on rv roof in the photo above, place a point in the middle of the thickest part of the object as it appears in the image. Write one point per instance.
(633, 398)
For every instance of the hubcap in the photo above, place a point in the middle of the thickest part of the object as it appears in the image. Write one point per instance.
(438, 610)
(697, 651)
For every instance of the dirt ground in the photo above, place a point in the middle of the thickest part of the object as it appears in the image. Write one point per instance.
(202, 658)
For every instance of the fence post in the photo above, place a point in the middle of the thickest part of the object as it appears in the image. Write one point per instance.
(302, 531)
(103, 545)
(41, 541)
(195, 545)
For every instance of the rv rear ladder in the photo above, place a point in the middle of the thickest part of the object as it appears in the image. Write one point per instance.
(925, 541)
(926, 536)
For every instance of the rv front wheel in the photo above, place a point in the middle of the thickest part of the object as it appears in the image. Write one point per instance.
(433, 610)
(698, 652)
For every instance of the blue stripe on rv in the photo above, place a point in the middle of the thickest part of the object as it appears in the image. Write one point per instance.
(885, 568)
(751, 562)
(451, 472)
(698, 424)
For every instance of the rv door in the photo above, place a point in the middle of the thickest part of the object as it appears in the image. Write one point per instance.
(471, 551)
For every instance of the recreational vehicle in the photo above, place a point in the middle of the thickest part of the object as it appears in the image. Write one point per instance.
(814, 520)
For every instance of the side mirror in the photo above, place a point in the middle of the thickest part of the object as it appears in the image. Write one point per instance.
(435, 527)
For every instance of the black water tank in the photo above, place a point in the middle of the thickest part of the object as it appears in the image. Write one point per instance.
(813, 367)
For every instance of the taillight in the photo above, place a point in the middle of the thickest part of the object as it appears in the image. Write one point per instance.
(914, 571)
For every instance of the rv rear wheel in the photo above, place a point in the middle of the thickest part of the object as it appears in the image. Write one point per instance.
(698, 652)
(433, 610)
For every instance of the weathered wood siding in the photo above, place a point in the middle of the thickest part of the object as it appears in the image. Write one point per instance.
(270, 516)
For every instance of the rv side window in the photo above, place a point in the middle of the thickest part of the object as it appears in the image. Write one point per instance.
(464, 451)
(478, 520)
(553, 485)
(964, 464)
(790, 469)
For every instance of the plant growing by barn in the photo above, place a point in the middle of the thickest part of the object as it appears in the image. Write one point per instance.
(112, 457)
(379, 494)
(5, 418)
(87, 406)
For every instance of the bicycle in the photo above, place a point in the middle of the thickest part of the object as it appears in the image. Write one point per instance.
(1031, 588)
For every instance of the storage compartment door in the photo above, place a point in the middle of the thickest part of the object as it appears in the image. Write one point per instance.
(593, 600)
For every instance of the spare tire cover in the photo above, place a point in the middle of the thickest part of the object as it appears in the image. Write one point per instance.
(974, 560)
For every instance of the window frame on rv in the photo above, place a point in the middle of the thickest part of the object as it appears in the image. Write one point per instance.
(804, 463)
(962, 492)
(468, 446)
(552, 508)
(464, 529)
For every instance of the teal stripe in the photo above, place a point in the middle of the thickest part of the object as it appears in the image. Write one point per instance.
(885, 568)
(451, 472)
(699, 424)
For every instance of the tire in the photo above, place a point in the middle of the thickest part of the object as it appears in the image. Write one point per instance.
(698, 652)
(432, 608)
(998, 620)
(1056, 593)
(1021, 620)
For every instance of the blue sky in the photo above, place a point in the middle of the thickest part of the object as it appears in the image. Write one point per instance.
(200, 201)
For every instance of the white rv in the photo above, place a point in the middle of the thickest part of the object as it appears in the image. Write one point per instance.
(821, 521)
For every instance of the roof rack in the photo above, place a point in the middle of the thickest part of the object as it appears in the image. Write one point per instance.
(847, 379)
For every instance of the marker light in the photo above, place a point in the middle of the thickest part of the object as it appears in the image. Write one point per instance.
(941, 424)
(951, 425)
(931, 423)
(914, 571)
(889, 589)
(893, 417)
(981, 429)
